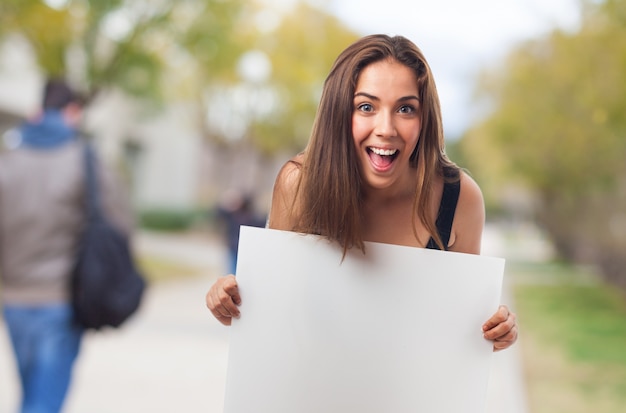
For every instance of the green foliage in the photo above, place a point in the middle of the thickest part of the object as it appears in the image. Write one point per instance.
(573, 331)
(559, 120)
(302, 50)
(41, 25)
(212, 37)
(190, 50)
(127, 44)
(558, 128)
(589, 320)
(169, 219)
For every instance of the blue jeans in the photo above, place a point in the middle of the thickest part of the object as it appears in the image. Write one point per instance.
(46, 343)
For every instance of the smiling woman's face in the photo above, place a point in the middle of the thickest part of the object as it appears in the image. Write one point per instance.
(386, 123)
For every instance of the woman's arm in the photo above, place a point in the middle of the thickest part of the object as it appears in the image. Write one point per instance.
(469, 218)
(284, 210)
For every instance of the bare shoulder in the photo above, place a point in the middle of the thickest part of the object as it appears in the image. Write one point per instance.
(283, 208)
(469, 218)
(471, 197)
(288, 179)
(289, 174)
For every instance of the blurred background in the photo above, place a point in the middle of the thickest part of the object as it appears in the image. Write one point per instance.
(192, 100)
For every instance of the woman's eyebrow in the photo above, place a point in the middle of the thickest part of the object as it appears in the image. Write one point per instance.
(367, 95)
(372, 97)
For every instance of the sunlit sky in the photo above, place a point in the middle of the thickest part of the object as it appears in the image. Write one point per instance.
(458, 37)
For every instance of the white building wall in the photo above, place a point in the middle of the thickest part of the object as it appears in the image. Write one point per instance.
(170, 155)
(20, 80)
(165, 173)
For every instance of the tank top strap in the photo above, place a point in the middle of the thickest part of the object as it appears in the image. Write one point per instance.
(445, 217)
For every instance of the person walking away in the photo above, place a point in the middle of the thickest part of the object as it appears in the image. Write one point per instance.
(235, 210)
(41, 217)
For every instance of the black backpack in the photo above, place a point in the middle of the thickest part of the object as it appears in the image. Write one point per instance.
(106, 286)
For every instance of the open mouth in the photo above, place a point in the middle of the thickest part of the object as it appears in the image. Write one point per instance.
(382, 159)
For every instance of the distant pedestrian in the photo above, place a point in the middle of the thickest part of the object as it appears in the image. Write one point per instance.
(236, 209)
(41, 216)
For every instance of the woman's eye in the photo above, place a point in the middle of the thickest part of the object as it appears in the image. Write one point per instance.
(406, 109)
(365, 107)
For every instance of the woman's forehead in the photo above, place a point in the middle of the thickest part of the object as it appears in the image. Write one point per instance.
(387, 76)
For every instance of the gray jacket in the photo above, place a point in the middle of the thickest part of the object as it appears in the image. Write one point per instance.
(41, 216)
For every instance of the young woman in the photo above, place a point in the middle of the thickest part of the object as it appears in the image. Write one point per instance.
(375, 170)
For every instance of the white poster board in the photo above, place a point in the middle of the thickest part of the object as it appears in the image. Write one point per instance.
(395, 330)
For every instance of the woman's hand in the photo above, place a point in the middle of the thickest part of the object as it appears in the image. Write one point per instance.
(223, 299)
(501, 328)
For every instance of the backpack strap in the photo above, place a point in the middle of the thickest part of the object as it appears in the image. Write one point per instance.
(92, 186)
(445, 217)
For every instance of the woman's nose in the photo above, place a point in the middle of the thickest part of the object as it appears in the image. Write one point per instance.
(385, 126)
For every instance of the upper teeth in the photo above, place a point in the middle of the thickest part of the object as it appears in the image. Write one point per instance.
(384, 152)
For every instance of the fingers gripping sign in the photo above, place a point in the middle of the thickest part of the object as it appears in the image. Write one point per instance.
(501, 328)
(223, 299)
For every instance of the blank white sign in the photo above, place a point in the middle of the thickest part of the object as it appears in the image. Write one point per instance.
(395, 330)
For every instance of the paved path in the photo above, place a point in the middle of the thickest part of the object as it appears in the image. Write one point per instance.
(172, 356)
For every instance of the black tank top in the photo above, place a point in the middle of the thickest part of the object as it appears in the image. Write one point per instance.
(447, 207)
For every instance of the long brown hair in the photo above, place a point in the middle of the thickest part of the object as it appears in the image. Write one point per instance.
(329, 194)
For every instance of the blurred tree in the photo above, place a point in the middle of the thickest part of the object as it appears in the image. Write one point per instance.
(33, 19)
(274, 105)
(558, 127)
(124, 43)
(302, 52)
(208, 52)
